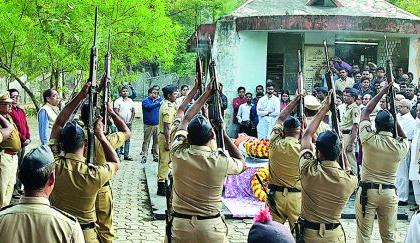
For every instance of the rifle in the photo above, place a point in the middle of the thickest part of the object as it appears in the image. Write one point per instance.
(168, 211)
(391, 93)
(92, 93)
(199, 70)
(270, 198)
(333, 109)
(300, 88)
(215, 110)
(107, 82)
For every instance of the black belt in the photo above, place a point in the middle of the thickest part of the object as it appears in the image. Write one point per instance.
(87, 226)
(186, 216)
(276, 188)
(372, 185)
(317, 226)
(346, 131)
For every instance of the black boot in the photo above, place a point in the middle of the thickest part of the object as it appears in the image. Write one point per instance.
(161, 188)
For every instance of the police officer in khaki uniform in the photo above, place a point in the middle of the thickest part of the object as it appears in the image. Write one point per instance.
(349, 126)
(284, 166)
(381, 156)
(8, 155)
(326, 187)
(199, 171)
(78, 183)
(312, 105)
(167, 114)
(33, 219)
(103, 204)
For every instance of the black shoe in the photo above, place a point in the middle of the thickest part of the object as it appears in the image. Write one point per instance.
(128, 158)
(414, 208)
(161, 188)
(401, 203)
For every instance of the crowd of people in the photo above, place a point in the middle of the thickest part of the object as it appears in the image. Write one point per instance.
(374, 156)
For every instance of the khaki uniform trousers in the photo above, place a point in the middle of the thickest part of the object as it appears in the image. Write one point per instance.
(385, 204)
(288, 204)
(150, 132)
(164, 159)
(322, 235)
(8, 168)
(350, 155)
(91, 236)
(104, 214)
(203, 231)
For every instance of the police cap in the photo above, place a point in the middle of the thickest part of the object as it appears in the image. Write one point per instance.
(199, 129)
(384, 121)
(72, 135)
(352, 91)
(37, 158)
(311, 103)
(291, 123)
(169, 89)
(328, 143)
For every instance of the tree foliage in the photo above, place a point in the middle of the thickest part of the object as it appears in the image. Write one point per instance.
(412, 6)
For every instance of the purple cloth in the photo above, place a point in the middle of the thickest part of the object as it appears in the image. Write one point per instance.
(342, 64)
(239, 186)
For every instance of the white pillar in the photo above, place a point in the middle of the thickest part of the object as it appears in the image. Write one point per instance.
(414, 58)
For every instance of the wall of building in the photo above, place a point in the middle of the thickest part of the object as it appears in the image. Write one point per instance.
(252, 59)
(414, 58)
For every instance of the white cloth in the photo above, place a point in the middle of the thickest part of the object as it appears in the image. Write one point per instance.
(125, 108)
(244, 112)
(408, 124)
(416, 189)
(267, 121)
(413, 232)
(415, 148)
(179, 101)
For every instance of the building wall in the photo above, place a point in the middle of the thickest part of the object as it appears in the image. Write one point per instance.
(414, 58)
(252, 60)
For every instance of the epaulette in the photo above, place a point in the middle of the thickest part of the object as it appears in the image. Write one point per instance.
(65, 214)
(6, 207)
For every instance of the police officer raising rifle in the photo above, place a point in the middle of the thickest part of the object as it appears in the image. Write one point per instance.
(92, 93)
(333, 108)
(215, 110)
(106, 83)
(391, 93)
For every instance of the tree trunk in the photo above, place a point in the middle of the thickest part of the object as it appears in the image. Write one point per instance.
(22, 84)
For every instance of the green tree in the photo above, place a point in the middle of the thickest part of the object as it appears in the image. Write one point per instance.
(412, 6)
(53, 38)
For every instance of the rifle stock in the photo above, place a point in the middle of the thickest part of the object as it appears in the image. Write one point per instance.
(92, 93)
(391, 93)
(334, 116)
(300, 108)
(215, 110)
(107, 82)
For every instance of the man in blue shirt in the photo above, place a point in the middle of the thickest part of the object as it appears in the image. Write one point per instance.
(151, 106)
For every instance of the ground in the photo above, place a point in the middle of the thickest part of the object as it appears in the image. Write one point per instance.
(133, 218)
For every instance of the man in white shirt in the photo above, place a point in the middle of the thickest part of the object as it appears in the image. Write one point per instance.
(124, 107)
(344, 81)
(414, 175)
(408, 124)
(243, 116)
(268, 108)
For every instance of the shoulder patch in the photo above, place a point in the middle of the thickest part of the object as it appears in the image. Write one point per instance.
(65, 214)
(8, 206)
(307, 155)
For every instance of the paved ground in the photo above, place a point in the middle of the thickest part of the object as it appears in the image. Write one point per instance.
(133, 217)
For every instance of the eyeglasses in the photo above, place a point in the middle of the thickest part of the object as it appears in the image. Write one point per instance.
(155, 92)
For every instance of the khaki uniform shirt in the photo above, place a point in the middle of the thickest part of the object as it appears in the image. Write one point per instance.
(34, 220)
(167, 113)
(351, 116)
(323, 127)
(199, 173)
(13, 142)
(284, 159)
(326, 188)
(77, 184)
(381, 154)
(116, 140)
